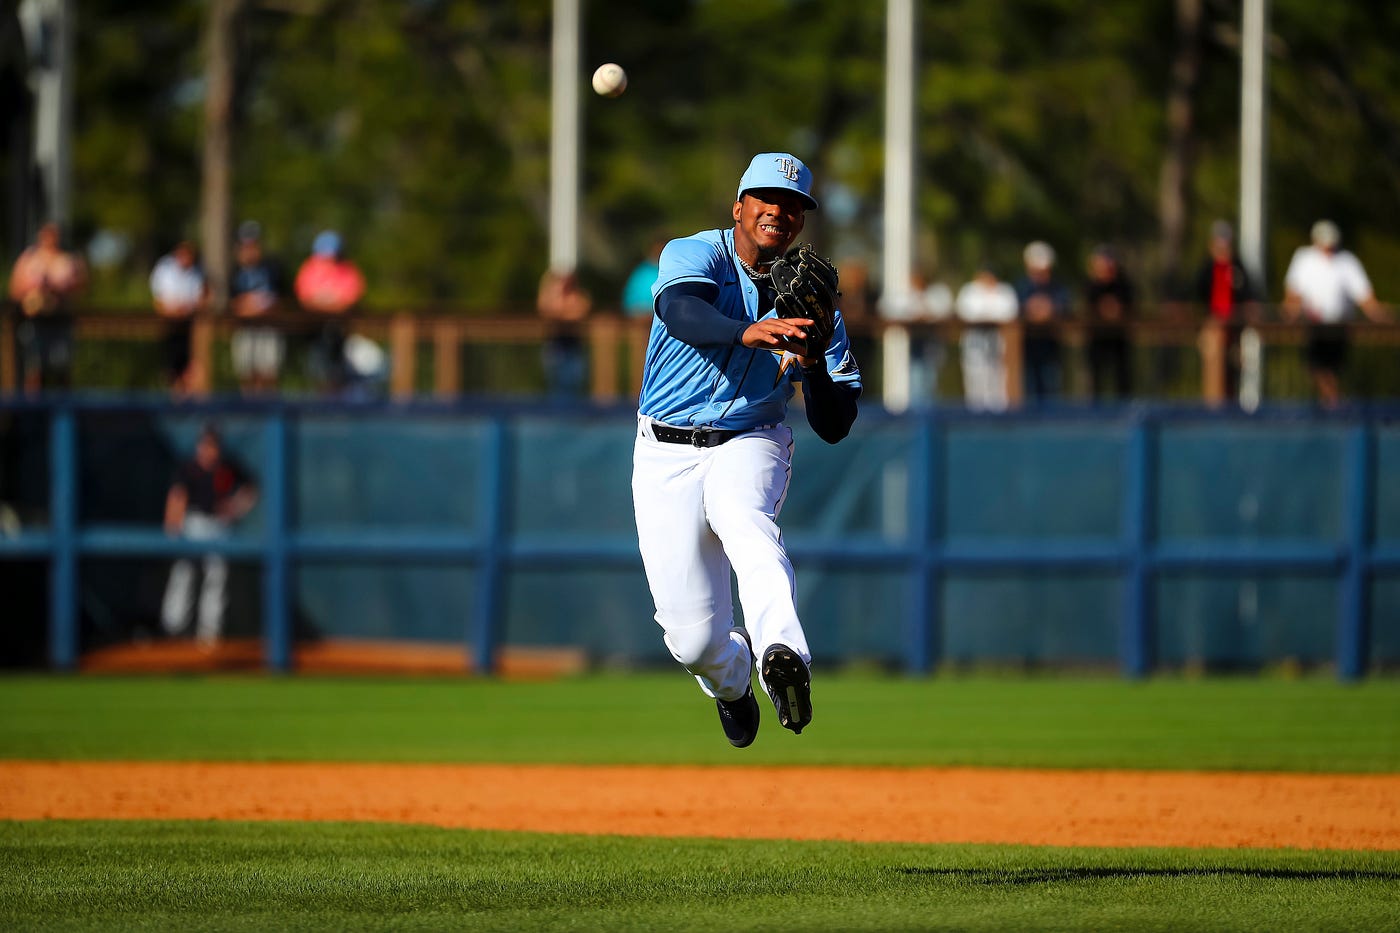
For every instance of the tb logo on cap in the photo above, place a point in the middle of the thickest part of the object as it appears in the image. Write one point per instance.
(787, 168)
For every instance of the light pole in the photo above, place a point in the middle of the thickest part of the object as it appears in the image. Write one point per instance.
(48, 37)
(1254, 157)
(899, 195)
(564, 138)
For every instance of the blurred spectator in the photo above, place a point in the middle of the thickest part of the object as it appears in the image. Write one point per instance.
(255, 292)
(858, 297)
(329, 286)
(925, 303)
(366, 369)
(1223, 289)
(563, 304)
(211, 491)
(179, 292)
(1323, 285)
(1044, 303)
(1109, 305)
(636, 293)
(44, 281)
(858, 302)
(983, 305)
(936, 297)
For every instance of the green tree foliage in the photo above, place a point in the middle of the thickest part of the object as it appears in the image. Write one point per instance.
(420, 130)
(136, 152)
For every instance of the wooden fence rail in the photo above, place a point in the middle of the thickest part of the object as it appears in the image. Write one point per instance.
(616, 345)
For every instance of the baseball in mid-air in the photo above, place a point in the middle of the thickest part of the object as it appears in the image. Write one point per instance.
(610, 80)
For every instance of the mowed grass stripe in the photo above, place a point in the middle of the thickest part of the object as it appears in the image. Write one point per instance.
(1313, 724)
(240, 876)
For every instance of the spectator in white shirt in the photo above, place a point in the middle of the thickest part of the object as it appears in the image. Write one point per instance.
(179, 291)
(984, 304)
(1323, 286)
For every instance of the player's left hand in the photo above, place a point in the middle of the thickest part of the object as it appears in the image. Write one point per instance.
(807, 289)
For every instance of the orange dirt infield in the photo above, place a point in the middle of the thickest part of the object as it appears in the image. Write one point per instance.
(926, 805)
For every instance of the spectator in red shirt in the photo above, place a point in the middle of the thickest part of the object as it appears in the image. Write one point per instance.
(1223, 289)
(1222, 285)
(329, 285)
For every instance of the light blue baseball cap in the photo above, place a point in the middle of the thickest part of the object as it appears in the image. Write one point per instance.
(780, 170)
(327, 243)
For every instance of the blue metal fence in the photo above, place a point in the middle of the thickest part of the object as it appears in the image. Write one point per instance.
(946, 541)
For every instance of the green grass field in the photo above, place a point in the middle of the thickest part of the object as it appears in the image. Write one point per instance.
(115, 875)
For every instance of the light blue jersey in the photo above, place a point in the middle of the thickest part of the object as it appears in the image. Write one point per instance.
(728, 387)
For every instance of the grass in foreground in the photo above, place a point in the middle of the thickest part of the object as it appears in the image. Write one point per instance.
(1313, 724)
(248, 876)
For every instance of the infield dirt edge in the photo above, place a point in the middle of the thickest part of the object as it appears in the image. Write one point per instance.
(918, 805)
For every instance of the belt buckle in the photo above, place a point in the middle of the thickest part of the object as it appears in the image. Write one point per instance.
(699, 437)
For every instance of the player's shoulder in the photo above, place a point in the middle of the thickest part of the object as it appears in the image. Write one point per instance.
(704, 254)
(708, 243)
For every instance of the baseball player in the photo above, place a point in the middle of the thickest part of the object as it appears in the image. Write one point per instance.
(712, 456)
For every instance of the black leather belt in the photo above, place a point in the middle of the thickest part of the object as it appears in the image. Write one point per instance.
(696, 437)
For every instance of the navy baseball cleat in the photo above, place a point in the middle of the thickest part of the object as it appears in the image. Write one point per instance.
(740, 717)
(789, 684)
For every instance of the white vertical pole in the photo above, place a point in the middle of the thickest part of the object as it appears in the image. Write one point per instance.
(1254, 152)
(564, 138)
(899, 190)
(1254, 140)
(48, 28)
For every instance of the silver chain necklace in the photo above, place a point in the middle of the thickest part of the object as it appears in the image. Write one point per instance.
(754, 273)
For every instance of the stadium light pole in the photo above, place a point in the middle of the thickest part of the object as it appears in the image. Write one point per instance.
(1254, 142)
(899, 194)
(564, 138)
(48, 34)
(1254, 150)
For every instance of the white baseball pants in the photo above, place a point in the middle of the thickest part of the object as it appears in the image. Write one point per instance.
(179, 588)
(702, 512)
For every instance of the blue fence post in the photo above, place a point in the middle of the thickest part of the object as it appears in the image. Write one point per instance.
(484, 629)
(924, 638)
(1136, 632)
(63, 526)
(1353, 623)
(277, 616)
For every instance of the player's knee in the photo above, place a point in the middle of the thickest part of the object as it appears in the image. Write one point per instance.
(694, 645)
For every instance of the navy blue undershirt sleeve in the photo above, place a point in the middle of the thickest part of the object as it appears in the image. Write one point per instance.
(831, 405)
(687, 311)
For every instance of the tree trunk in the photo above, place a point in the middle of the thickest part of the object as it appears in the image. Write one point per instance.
(220, 40)
(1175, 188)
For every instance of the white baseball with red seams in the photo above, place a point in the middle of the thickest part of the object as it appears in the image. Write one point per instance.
(609, 80)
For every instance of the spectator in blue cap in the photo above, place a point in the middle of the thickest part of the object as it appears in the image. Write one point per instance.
(329, 285)
(255, 293)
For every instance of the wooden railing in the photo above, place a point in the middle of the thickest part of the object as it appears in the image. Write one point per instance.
(426, 351)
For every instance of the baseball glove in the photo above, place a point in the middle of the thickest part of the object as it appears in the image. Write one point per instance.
(807, 287)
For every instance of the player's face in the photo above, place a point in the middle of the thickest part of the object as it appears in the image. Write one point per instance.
(766, 222)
